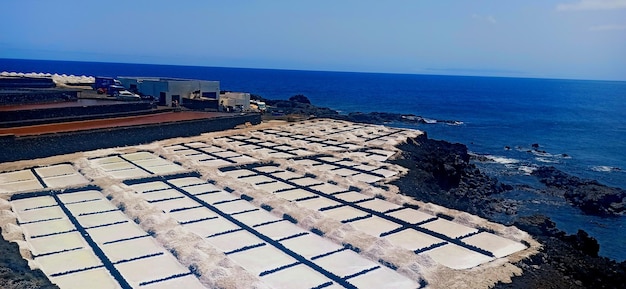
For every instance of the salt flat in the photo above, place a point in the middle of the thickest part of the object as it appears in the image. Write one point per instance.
(283, 205)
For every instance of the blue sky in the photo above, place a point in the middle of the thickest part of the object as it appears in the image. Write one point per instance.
(581, 39)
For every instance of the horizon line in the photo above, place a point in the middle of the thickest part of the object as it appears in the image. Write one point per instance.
(333, 71)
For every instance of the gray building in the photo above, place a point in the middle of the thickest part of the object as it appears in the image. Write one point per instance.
(169, 90)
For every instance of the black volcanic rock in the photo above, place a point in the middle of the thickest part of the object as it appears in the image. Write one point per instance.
(589, 195)
(15, 272)
(300, 98)
(440, 172)
(565, 261)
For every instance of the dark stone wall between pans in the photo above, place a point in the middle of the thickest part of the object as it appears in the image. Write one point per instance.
(23, 148)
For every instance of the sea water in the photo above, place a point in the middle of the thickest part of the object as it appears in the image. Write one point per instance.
(578, 125)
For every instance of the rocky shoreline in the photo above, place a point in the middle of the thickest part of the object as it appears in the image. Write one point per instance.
(441, 173)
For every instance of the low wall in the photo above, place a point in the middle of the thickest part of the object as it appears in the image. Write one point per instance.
(22, 96)
(32, 147)
(70, 111)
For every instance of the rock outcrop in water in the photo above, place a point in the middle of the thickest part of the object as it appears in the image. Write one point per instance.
(301, 105)
(588, 195)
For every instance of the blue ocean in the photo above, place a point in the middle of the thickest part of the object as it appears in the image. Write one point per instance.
(579, 125)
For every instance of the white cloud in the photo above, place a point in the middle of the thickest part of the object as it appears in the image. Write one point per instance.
(607, 27)
(487, 18)
(592, 5)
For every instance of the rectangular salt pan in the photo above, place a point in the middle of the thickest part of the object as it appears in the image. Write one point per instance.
(457, 257)
(90, 207)
(215, 163)
(293, 195)
(261, 259)
(187, 282)
(40, 214)
(151, 186)
(280, 230)
(345, 263)
(55, 170)
(269, 169)
(102, 219)
(344, 172)
(98, 278)
(139, 156)
(47, 227)
(367, 178)
(310, 245)
(317, 203)
(411, 216)
(305, 182)
(412, 240)
(189, 181)
(235, 206)
(68, 261)
(144, 270)
(383, 278)
(235, 240)
(257, 179)
(20, 186)
(165, 169)
(243, 159)
(286, 175)
(169, 205)
(17, 176)
(344, 213)
(374, 226)
(129, 174)
(239, 173)
(274, 186)
(57, 243)
(31, 203)
(65, 181)
(200, 189)
(379, 205)
(497, 245)
(448, 228)
(210, 227)
(130, 249)
(352, 197)
(256, 217)
(162, 195)
(328, 188)
(192, 214)
(299, 276)
(80, 196)
(220, 196)
(116, 232)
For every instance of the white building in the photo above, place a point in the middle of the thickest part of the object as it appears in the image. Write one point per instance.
(236, 101)
(169, 90)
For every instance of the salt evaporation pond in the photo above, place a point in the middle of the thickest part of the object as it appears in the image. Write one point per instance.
(279, 205)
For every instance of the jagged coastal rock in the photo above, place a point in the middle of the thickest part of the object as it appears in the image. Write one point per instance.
(588, 195)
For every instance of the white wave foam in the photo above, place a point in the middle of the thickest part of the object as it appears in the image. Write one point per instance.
(546, 160)
(501, 160)
(605, 169)
(527, 170)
